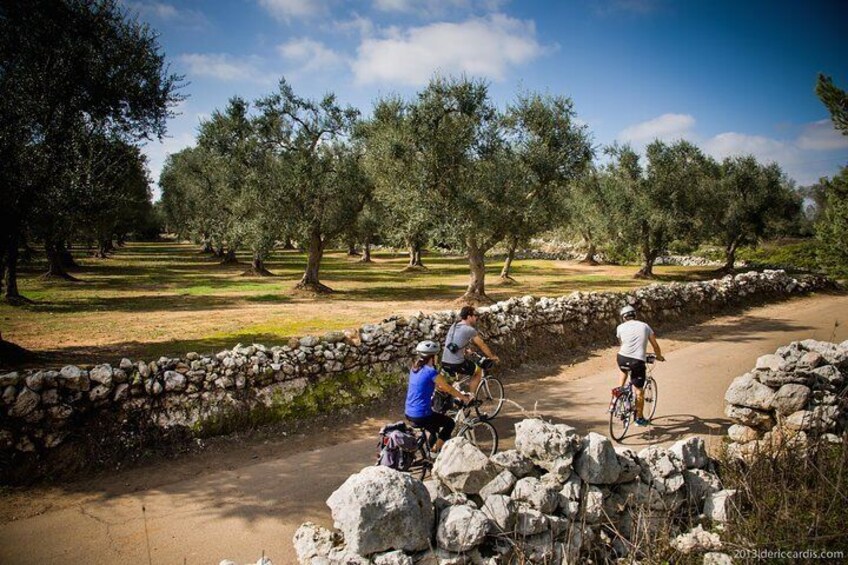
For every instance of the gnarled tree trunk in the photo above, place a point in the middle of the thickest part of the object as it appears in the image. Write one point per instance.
(415, 263)
(257, 266)
(310, 279)
(729, 256)
(648, 257)
(506, 277)
(230, 257)
(476, 292)
(67, 258)
(55, 264)
(366, 253)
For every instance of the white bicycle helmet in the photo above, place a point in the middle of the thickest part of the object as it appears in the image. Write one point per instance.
(627, 312)
(427, 348)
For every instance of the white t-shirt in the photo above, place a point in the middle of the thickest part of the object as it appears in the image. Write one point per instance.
(634, 336)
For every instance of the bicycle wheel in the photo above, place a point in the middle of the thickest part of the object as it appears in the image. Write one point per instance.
(650, 396)
(490, 393)
(483, 435)
(620, 418)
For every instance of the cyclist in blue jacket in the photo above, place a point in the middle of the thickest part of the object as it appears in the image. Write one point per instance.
(424, 379)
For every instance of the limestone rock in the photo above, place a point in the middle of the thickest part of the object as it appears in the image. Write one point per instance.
(745, 391)
(718, 505)
(379, 509)
(462, 467)
(597, 462)
(174, 381)
(790, 398)
(536, 494)
(461, 528)
(716, 558)
(696, 540)
(544, 443)
(502, 484)
(770, 362)
(593, 505)
(311, 541)
(529, 521)
(25, 404)
(72, 378)
(742, 434)
(101, 374)
(393, 558)
(749, 416)
(691, 451)
(500, 509)
(629, 463)
(512, 461)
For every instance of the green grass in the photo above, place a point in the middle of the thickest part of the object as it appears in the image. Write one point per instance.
(165, 298)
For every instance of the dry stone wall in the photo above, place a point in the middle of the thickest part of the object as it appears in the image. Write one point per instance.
(43, 409)
(790, 397)
(556, 498)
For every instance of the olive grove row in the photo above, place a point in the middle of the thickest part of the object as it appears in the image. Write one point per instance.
(449, 167)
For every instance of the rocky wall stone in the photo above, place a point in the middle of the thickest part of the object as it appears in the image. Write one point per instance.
(311, 374)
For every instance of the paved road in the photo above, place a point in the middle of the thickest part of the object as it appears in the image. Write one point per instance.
(238, 503)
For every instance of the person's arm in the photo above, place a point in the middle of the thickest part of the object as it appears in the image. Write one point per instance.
(443, 385)
(656, 346)
(478, 341)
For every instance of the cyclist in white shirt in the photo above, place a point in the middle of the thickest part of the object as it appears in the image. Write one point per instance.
(634, 336)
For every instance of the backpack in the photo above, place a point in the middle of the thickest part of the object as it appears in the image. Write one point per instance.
(398, 445)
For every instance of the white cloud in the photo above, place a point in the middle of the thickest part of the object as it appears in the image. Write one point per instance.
(437, 8)
(804, 158)
(667, 127)
(822, 136)
(358, 24)
(224, 67)
(486, 47)
(311, 55)
(162, 12)
(765, 149)
(287, 10)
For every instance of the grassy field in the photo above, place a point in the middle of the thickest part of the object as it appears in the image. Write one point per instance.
(165, 298)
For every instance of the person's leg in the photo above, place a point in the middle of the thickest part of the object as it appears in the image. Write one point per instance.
(444, 427)
(638, 374)
(640, 402)
(475, 380)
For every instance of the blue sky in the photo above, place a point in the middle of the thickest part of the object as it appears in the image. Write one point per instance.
(733, 77)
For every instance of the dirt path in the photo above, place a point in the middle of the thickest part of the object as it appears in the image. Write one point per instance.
(239, 502)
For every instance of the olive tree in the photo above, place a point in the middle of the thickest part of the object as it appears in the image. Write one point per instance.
(70, 71)
(661, 202)
(318, 171)
(747, 199)
(551, 151)
(392, 161)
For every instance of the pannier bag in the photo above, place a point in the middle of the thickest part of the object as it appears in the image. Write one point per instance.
(397, 446)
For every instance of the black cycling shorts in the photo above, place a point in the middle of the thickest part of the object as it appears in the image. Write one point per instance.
(636, 367)
(439, 426)
(467, 367)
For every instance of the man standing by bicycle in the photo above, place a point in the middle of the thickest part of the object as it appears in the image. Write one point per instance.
(634, 336)
(460, 335)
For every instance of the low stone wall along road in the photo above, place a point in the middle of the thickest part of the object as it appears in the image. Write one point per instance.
(250, 497)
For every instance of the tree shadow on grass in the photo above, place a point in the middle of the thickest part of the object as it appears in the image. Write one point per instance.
(145, 350)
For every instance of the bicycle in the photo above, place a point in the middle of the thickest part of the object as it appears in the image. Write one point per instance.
(623, 405)
(476, 429)
(490, 391)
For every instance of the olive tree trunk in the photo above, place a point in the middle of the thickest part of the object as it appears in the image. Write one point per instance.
(315, 253)
(476, 291)
(506, 277)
